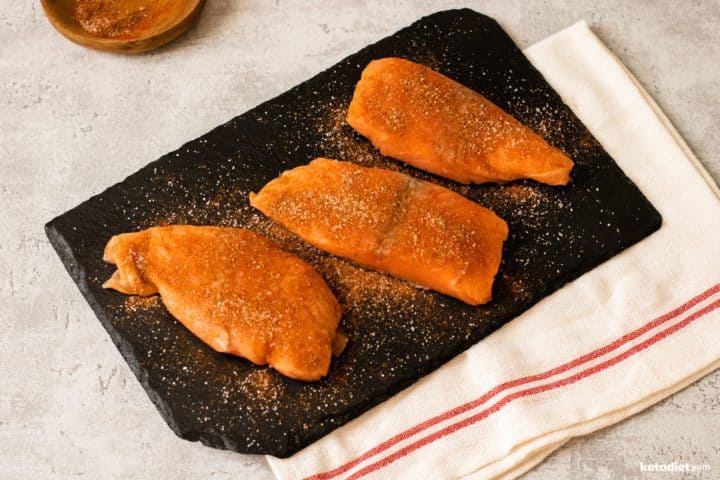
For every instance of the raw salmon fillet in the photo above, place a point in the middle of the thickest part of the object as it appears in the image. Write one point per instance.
(414, 114)
(237, 291)
(391, 222)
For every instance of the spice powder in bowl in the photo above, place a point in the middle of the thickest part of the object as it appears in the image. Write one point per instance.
(125, 19)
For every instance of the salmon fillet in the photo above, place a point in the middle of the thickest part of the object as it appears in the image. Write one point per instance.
(237, 291)
(391, 222)
(416, 115)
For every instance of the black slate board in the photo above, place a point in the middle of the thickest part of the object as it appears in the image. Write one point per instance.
(397, 333)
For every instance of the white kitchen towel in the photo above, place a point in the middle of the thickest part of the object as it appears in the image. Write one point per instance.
(629, 333)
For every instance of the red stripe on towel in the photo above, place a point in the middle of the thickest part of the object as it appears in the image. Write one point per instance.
(532, 391)
(514, 383)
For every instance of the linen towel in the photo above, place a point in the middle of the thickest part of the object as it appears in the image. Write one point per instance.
(631, 332)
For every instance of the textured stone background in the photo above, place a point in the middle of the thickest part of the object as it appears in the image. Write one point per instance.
(73, 122)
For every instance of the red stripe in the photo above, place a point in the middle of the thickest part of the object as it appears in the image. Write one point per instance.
(514, 383)
(533, 391)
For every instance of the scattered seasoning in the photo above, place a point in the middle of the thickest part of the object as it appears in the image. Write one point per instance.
(343, 143)
(262, 383)
(136, 303)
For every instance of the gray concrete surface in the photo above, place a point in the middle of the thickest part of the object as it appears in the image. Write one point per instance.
(73, 121)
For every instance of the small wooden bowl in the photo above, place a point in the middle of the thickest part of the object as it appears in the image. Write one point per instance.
(163, 22)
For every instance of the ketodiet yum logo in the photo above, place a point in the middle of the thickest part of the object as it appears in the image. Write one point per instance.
(674, 467)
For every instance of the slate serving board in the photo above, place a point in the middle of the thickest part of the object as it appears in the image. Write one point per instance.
(397, 333)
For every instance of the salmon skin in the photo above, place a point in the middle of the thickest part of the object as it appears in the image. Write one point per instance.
(391, 222)
(416, 115)
(237, 291)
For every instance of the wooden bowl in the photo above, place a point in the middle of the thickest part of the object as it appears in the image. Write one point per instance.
(122, 26)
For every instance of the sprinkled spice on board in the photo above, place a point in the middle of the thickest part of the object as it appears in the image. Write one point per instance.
(136, 303)
(343, 143)
(358, 285)
(262, 383)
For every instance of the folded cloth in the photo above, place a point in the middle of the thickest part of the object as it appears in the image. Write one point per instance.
(631, 332)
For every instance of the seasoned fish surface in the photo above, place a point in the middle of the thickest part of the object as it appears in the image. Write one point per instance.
(414, 114)
(237, 291)
(391, 222)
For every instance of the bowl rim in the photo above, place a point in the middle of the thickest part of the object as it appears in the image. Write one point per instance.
(76, 34)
